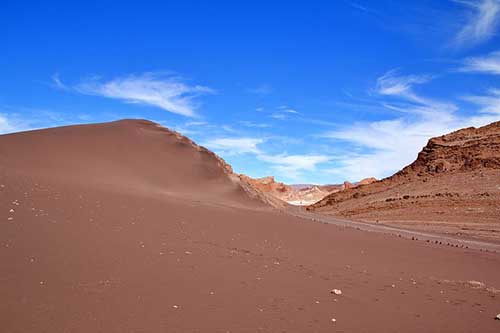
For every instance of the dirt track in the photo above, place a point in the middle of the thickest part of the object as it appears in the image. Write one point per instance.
(415, 235)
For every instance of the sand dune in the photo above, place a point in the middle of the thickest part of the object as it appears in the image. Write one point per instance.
(128, 227)
(135, 156)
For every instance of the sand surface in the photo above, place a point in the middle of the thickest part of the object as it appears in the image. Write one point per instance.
(114, 228)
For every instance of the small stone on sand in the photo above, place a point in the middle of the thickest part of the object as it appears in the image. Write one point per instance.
(336, 291)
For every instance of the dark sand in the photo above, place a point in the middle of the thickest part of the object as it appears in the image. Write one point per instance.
(125, 227)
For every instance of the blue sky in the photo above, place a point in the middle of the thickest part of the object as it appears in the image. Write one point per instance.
(308, 91)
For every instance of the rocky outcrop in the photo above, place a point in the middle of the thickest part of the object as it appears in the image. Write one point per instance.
(367, 181)
(347, 185)
(466, 149)
(454, 178)
(302, 194)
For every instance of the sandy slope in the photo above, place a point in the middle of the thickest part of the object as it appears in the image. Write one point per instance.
(120, 227)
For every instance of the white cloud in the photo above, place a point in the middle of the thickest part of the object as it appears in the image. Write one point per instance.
(489, 64)
(363, 8)
(383, 147)
(392, 144)
(490, 103)
(11, 122)
(234, 146)
(228, 128)
(196, 123)
(169, 93)
(283, 112)
(57, 82)
(6, 126)
(391, 83)
(263, 89)
(279, 116)
(253, 124)
(481, 22)
(389, 145)
(287, 109)
(358, 6)
(291, 166)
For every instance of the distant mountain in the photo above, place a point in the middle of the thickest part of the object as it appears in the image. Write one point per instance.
(297, 194)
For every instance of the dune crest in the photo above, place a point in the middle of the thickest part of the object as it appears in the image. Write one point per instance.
(129, 155)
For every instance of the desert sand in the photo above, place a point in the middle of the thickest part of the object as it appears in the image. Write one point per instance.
(129, 227)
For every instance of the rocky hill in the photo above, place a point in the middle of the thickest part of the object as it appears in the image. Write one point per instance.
(296, 194)
(467, 149)
(452, 186)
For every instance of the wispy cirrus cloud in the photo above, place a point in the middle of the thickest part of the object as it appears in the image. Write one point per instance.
(252, 124)
(386, 146)
(263, 89)
(382, 147)
(362, 7)
(292, 166)
(170, 93)
(283, 112)
(8, 126)
(286, 165)
(489, 103)
(402, 86)
(481, 23)
(489, 64)
(392, 83)
(57, 83)
(234, 146)
(287, 109)
(21, 118)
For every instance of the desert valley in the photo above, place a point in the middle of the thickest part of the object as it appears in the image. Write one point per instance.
(128, 226)
(250, 166)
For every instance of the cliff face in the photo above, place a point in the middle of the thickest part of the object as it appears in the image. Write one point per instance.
(463, 150)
